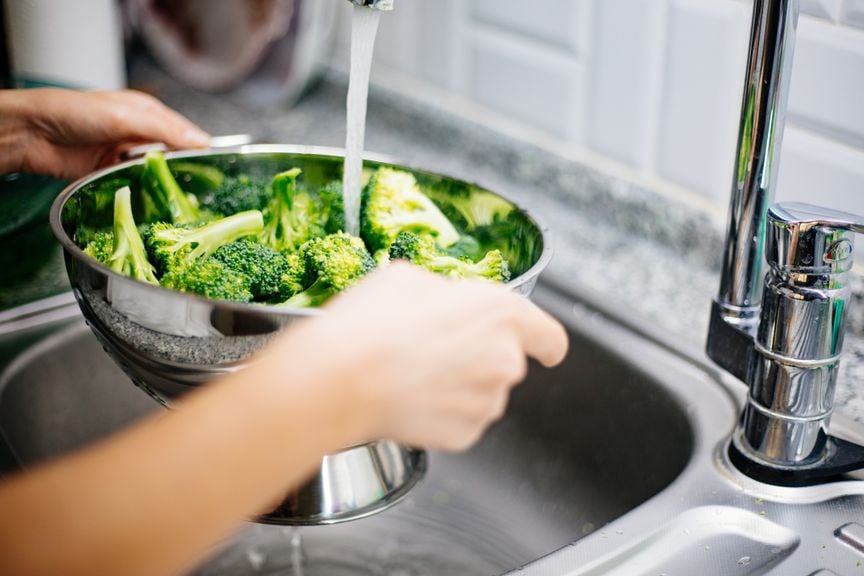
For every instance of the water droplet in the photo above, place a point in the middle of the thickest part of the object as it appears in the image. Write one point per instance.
(619, 532)
(256, 559)
(707, 548)
(588, 527)
(686, 531)
(744, 561)
(603, 535)
(296, 544)
(441, 498)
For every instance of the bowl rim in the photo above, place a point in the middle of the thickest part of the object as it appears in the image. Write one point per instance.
(72, 249)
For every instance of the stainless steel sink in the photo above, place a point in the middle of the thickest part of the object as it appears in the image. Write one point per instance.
(612, 463)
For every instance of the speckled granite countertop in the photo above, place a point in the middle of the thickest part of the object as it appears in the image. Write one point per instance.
(646, 252)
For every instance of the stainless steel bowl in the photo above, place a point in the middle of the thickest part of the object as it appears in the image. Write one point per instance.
(169, 342)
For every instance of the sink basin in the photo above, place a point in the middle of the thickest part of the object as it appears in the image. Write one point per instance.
(612, 464)
(580, 446)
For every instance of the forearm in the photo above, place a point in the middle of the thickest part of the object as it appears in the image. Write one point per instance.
(153, 499)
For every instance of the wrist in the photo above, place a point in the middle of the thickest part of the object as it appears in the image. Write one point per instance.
(311, 369)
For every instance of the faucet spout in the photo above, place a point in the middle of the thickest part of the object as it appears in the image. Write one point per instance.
(760, 137)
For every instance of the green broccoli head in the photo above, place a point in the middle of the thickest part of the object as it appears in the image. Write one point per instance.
(338, 259)
(210, 278)
(170, 246)
(329, 265)
(129, 256)
(163, 196)
(392, 202)
(262, 265)
(237, 194)
(423, 251)
(295, 279)
(101, 247)
(291, 218)
(332, 207)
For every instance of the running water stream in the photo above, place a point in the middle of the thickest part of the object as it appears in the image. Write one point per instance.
(363, 32)
(296, 551)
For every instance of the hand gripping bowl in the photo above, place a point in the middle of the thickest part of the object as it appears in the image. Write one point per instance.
(170, 342)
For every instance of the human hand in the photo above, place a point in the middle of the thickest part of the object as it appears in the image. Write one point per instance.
(67, 134)
(429, 361)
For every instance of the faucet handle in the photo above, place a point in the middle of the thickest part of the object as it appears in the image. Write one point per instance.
(798, 213)
(807, 239)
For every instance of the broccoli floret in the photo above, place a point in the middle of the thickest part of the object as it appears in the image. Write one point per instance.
(211, 278)
(235, 195)
(392, 202)
(163, 196)
(423, 251)
(332, 207)
(129, 257)
(262, 265)
(197, 178)
(291, 218)
(517, 238)
(467, 248)
(295, 279)
(329, 265)
(170, 246)
(101, 247)
(467, 206)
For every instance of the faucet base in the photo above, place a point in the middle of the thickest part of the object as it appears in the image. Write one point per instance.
(841, 457)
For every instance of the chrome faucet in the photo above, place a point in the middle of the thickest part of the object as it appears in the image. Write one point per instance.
(784, 346)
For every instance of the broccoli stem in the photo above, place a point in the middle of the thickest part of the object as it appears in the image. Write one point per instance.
(489, 267)
(168, 193)
(285, 186)
(129, 256)
(315, 295)
(210, 237)
(286, 229)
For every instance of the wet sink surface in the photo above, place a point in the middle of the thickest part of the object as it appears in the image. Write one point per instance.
(580, 446)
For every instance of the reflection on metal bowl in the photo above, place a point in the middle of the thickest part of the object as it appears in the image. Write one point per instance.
(169, 342)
